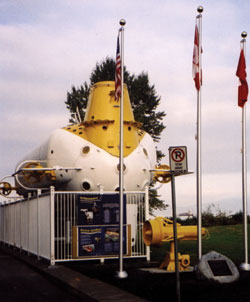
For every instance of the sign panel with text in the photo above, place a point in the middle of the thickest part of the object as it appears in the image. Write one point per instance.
(100, 240)
(178, 159)
(100, 209)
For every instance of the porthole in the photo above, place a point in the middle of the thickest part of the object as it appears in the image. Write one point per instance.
(124, 167)
(85, 150)
(129, 128)
(104, 127)
(86, 186)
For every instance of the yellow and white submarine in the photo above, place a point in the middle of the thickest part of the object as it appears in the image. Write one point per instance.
(85, 156)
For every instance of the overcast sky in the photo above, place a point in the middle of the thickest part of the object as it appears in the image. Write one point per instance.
(46, 46)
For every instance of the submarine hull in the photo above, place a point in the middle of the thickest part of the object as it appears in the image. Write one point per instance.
(94, 166)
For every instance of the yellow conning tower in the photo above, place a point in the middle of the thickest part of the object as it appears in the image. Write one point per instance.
(101, 124)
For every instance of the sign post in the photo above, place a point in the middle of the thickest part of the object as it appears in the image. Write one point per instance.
(178, 165)
(176, 260)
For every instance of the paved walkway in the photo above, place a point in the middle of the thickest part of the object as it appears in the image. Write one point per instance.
(24, 278)
(20, 282)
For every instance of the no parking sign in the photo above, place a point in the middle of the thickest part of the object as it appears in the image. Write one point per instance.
(178, 159)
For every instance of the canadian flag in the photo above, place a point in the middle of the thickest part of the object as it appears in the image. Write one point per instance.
(242, 75)
(196, 61)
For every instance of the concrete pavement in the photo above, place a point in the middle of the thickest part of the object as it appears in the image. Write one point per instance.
(24, 278)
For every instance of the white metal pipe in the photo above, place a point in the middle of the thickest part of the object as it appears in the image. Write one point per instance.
(198, 167)
(121, 273)
(244, 177)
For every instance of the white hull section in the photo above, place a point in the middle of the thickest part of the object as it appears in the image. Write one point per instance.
(98, 167)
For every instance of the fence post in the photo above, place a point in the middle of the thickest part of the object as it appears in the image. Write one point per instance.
(102, 260)
(147, 217)
(52, 225)
(14, 239)
(38, 224)
(28, 224)
(20, 206)
(4, 222)
(8, 224)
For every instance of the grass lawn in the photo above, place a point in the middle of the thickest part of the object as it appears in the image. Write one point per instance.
(154, 287)
(227, 240)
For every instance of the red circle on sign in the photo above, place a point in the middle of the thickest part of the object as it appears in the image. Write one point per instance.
(178, 155)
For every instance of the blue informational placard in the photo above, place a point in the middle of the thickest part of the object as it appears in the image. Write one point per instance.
(100, 209)
(100, 240)
(98, 226)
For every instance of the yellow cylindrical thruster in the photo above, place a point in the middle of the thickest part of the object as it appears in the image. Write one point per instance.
(160, 230)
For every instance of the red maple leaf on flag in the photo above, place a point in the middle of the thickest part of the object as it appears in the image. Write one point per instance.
(242, 75)
(197, 74)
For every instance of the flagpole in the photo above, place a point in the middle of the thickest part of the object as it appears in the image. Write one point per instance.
(244, 265)
(198, 167)
(121, 273)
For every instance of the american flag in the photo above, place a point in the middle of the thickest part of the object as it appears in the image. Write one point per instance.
(118, 87)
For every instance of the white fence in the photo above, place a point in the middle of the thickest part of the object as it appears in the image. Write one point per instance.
(42, 225)
(26, 224)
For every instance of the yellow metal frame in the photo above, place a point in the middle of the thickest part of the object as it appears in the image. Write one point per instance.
(36, 176)
(162, 173)
(6, 188)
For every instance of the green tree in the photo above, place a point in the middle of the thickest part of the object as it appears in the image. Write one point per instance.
(143, 97)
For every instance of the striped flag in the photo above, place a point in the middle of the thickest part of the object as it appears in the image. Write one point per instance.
(242, 75)
(118, 71)
(196, 61)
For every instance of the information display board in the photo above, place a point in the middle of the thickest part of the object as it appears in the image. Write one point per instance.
(97, 231)
(100, 209)
(100, 240)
